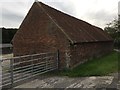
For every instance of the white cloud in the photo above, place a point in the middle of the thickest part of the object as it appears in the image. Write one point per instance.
(62, 5)
(119, 8)
(96, 12)
(13, 12)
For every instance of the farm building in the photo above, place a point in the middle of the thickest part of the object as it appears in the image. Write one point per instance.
(46, 29)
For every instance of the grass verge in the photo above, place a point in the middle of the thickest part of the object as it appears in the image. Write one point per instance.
(95, 67)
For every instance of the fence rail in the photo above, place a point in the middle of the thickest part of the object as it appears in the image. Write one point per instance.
(19, 68)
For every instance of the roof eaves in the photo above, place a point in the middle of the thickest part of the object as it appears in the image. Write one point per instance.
(92, 42)
(100, 31)
(55, 23)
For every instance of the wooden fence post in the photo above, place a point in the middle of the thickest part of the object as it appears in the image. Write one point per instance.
(46, 61)
(32, 58)
(11, 71)
(58, 61)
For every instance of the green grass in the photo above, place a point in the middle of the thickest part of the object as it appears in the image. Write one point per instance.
(95, 67)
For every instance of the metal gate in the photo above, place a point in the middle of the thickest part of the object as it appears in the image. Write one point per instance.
(20, 68)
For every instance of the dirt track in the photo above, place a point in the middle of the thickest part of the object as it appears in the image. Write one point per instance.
(66, 82)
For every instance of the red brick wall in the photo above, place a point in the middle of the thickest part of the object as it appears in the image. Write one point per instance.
(39, 35)
(82, 52)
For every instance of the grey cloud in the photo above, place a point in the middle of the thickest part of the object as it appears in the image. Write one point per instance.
(11, 19)
(64, 6)
(20, 3)
(101, 15)
(12, 12)
(11, 15)
(6, 14)
(101, 18)
(68, 8)
(119, 7)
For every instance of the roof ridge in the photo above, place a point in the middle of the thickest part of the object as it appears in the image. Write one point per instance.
(67, 14)
(39, 4)
(81, 24)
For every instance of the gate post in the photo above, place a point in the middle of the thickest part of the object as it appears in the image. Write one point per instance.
(46, 62)
(32, 59)
(58, 61)
(11, 72)
(1, 73)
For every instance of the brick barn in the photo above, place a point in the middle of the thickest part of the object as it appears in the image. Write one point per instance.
(46, 29)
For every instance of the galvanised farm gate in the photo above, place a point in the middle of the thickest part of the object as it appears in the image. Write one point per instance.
(20, 68)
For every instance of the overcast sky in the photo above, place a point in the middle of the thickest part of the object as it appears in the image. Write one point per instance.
(96, 12)
(119, 8)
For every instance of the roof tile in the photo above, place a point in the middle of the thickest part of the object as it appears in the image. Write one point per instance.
(77, 30)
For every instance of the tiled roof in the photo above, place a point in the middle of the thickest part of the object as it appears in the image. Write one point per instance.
(74, 29)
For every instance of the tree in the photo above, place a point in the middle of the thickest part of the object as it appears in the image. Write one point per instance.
(113, 29)
(7, 34)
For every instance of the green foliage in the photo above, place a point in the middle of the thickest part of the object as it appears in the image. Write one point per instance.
(102, 66)
(7, 35)
(113, 29)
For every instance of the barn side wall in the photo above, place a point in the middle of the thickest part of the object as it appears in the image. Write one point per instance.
(39, 34)
(80, 53)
